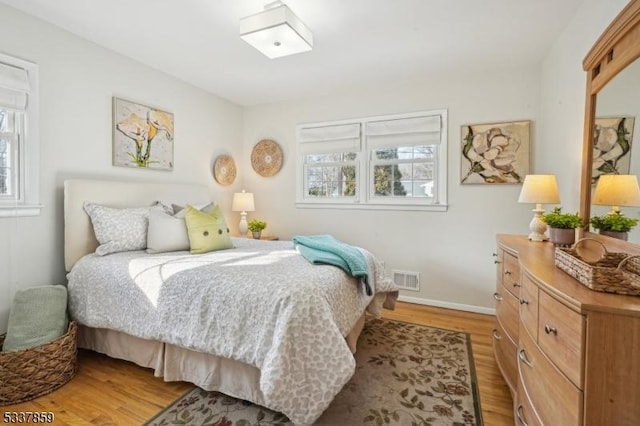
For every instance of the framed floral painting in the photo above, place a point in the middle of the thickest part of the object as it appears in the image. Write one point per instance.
(612, 137)
(142, 136)
(495, 153)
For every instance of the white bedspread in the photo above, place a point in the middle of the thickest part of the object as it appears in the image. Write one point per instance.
(260, 303)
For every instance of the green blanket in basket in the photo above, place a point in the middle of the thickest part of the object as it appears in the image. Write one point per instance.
(38, 315)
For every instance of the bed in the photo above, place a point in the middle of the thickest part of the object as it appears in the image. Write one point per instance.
(257, 322)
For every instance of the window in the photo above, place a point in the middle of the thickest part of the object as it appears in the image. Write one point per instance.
(388, 162)
(10, 130)
(19, 148)
(330, 155)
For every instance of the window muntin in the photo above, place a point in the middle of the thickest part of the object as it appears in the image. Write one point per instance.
(403, 172)
(331, 175)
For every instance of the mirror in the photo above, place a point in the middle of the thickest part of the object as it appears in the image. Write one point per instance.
(613, 81)
(617, 108)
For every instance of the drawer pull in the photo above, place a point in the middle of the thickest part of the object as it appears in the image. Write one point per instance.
(496, 335)
(496, 261)
(497, 296)
(494, 254)
(516, 284)
(507, 272)
(519, 415)
(548, 329)
(523, 357)
(524, 302)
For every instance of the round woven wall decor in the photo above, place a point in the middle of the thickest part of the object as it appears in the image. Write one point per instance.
(224, 170)
(266, 158)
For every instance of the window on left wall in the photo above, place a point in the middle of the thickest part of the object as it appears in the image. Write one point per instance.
(19, 142)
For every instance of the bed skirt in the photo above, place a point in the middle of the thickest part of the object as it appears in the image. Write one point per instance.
(174, 363)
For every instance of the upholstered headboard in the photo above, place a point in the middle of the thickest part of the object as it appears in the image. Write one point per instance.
(79, 238)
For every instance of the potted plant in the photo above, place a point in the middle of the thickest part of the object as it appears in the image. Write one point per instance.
(256, 226)
(614, 225)
(562, 226)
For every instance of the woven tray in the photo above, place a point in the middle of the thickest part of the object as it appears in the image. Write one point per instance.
(613, 273)
(30, 373)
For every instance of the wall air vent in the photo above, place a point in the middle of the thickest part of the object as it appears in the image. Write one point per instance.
(407, 280)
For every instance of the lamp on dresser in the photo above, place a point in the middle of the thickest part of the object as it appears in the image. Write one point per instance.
(538, 190)
(616, 191)
(243, 203)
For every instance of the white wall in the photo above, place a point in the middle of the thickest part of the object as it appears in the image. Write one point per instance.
(77, 82)
(451, 250)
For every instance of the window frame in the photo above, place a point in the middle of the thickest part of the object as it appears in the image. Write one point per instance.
(364, 197)
(391, 162)
(26, 201)
(15, 156)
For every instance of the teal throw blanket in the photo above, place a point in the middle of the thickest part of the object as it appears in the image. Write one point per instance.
(326, 250)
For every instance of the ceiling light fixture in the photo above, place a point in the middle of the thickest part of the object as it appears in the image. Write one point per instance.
(276, 31)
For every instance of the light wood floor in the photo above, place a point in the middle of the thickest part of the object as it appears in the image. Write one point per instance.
(113, 392)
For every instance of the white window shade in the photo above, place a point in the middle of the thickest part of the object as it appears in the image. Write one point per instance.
(14, 87)
(425, 130)
(339, 138)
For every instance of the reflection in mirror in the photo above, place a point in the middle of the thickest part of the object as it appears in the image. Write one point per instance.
(617, 110)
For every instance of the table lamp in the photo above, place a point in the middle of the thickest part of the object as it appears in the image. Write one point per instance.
(243, 202)
(538, 190)
(616, 191)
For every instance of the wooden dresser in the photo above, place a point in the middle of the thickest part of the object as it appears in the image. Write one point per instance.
(570, 355)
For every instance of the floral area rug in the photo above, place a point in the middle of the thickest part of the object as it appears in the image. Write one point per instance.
(406, 374)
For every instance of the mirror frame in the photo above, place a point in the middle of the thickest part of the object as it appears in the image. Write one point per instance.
(617, 47)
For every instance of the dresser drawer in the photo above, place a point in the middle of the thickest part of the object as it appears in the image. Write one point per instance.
(505, 351)
(529, 306)
(554, 398)
(498, 257)
(523, 411)
(511, 274)
(507, 312)
(561, 336)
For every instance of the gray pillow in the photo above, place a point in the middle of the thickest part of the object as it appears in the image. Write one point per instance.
(120, 229)
(38, 316)
(169, 232)
(179, 211)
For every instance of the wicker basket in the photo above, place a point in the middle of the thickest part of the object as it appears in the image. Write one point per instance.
(30, 373)
(613, 273)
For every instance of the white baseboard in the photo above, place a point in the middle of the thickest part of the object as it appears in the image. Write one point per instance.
(448, 305)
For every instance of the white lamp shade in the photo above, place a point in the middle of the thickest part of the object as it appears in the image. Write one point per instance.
(243, 202)
(539, 189)
(276, 32)
(617, 190)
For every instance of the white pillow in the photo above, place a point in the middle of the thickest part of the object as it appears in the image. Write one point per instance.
(169, 232)
(119, 229)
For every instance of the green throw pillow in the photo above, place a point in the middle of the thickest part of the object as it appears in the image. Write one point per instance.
(207, 231)
(38, 316)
